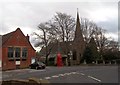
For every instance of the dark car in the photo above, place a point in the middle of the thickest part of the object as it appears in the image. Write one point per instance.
(37, 65)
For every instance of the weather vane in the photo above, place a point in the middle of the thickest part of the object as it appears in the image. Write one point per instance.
(77, 9)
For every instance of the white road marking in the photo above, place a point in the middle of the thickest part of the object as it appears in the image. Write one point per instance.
(94, 78)
(47, 78)
(61, 74)
(55, 76)
(73, 72)
(82, 74)
(67, 74)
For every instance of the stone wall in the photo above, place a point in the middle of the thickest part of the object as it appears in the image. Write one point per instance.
(30, 81)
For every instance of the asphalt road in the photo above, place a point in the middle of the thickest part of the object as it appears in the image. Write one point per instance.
(74, 74)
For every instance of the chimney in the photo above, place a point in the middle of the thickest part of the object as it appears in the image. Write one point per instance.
(27, 37)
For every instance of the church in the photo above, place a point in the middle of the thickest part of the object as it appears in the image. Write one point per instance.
(72, 53)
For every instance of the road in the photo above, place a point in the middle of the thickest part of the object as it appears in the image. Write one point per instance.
(74, 74)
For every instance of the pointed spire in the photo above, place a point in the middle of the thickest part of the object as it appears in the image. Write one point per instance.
(78, 20)
(77, 9)
(78, 32)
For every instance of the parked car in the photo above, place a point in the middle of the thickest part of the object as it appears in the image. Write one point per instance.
(37, 65)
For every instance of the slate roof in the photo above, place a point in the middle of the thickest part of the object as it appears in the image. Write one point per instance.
(6, 37)
(53, 48)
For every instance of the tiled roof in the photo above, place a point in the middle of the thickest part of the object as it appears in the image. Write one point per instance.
(54, 47)
(6, 37)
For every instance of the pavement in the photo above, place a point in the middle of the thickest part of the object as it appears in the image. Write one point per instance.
(12, 73)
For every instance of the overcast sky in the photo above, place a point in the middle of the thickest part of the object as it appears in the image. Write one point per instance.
(27, 14)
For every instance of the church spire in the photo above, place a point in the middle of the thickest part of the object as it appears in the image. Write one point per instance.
(78, 31)
(78, 43)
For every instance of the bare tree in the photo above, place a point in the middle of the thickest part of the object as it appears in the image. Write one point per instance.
(90, 29)
(44, 39)
(59, 28)
(63, 26)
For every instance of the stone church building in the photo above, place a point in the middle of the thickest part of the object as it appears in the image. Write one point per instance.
(73, 53)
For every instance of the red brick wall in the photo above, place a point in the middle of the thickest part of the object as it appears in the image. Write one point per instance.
(31, 53)
(18, 39)
(6, 64)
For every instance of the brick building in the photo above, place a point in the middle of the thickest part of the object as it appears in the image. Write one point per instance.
(17, 52)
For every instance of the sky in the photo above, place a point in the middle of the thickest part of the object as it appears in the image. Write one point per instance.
(28, 14)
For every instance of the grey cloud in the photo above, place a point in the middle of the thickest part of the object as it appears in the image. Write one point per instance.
(109, 26)
(30, 14)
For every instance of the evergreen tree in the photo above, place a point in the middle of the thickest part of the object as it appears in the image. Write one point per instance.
(87, 56)
(91, 54)
(93, 47)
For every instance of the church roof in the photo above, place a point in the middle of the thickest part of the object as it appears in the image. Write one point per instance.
(53, 48)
